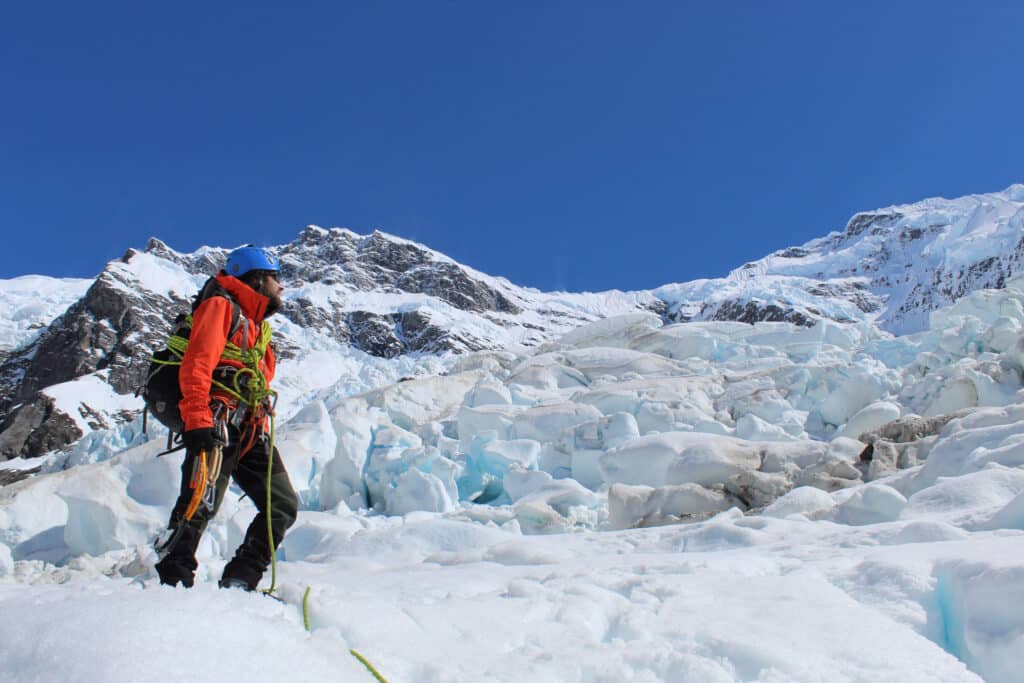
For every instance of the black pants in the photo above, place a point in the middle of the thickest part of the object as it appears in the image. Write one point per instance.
(250, 473)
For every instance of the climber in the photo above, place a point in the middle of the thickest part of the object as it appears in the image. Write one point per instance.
(227, 408)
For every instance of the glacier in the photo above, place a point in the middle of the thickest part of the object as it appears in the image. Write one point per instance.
(632, 495)
(633, 501)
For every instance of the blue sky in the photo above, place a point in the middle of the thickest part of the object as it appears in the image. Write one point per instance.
(564, 145)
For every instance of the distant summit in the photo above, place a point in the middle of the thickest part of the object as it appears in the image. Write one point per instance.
(891, 266)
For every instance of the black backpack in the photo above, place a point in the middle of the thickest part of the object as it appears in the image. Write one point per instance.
(161, 391)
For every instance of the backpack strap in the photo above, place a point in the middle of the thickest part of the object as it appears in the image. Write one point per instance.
(213, 288)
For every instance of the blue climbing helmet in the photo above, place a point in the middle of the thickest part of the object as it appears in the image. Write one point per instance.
(249, 258)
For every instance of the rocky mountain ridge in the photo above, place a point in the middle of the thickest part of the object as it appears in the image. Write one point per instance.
(390, 297)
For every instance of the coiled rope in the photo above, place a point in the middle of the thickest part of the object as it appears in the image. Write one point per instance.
(248, 384)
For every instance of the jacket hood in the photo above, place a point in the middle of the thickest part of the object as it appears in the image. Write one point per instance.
(254, 304)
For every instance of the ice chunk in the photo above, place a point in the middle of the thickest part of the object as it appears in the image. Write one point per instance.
(155, 481)
(563, 495)
(415, 490)
(587, 443)
(846, 449)
(635, 506)
(618, 331)
(759, 398)
(546, 423)
(678, 458)
(353, 422)
(1011, 516)
(1004, 334)
(307, 442)
(546, 373)
(311, 538)
(555, 460)
(496, 363)
(500, 455)
(870, 417)
(923, 531)
(487, 461)
(970, 443)
(557, 506)
(681, 341)
(971, 500)
(6, 561)
(953, 396)
(753, 428)
(979, 605)
(863, 385)
(871, 504)
(586, 467)
(395, 453)
(803, 500)
(618, 364)
(488, 392)
(520, 482)
(413, 402)
(100, 516)
(487, 418)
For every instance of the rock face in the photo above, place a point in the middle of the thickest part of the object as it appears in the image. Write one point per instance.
(388, 297)
(351, 264)
(36, 428)
(112, 328)
(380, 294)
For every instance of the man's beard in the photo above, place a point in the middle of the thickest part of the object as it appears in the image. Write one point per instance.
(274, 304)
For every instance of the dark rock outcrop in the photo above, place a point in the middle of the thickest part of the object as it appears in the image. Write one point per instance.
(755, 312)
(34, 428)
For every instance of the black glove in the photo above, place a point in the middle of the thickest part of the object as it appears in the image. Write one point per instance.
(197, 440)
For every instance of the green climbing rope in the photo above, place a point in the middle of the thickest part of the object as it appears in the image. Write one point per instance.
(353, 651)
(255, 389)
(270, 526)
(305, 607)
(369, 667)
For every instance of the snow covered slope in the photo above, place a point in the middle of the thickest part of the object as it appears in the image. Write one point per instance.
(637, 500)
(30, 303)
(891, 265)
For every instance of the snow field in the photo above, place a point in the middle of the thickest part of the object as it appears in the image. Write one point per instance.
(448, 521)
(30, 303)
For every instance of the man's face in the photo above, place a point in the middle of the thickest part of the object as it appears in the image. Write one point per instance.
(271, 288)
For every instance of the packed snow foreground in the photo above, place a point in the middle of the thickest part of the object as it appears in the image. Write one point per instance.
(638, 502)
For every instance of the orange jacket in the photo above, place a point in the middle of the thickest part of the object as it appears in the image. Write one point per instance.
(211, 324)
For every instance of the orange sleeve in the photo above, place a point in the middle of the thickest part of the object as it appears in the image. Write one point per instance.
(211, 324)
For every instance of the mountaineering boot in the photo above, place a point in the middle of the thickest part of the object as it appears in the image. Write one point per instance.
(172, 572)
(179, 565)
(228, 582)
